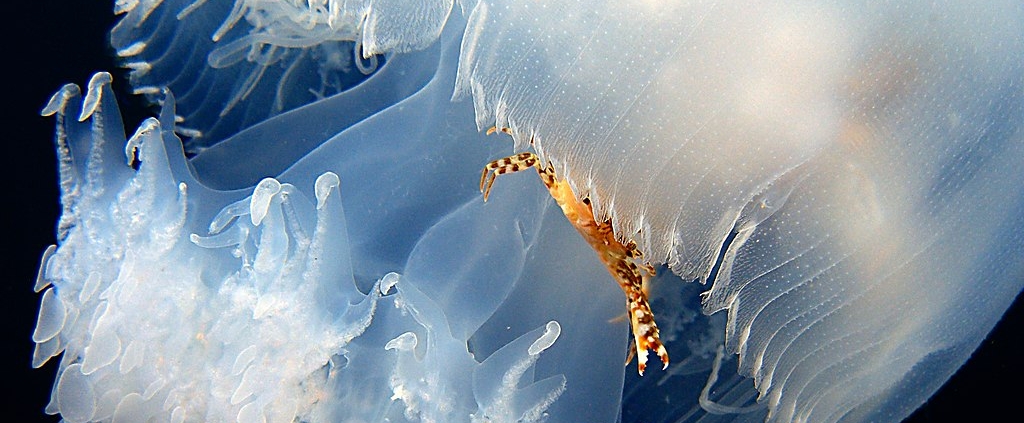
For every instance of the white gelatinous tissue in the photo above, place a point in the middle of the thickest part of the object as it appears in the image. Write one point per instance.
(263, 304)
(842, 177)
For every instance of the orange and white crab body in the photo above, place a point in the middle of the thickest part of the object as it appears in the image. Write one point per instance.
(623, 261)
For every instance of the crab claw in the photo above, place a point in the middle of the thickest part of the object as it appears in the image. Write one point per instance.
(645, 334)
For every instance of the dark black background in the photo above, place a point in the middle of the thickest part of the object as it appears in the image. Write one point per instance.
(53, 42)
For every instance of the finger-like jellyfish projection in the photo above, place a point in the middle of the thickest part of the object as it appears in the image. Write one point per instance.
(833, 190)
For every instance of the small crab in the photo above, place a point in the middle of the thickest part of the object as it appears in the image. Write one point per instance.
(624, 261)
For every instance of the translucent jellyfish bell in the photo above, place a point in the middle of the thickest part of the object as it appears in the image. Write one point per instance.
(840, 179)
(856, 153)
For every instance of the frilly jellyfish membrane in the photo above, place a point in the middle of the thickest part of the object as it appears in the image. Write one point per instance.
(830, 190)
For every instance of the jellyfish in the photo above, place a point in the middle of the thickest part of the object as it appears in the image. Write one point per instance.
(829, 192)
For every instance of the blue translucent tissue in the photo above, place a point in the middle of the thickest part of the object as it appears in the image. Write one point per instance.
(831, 192)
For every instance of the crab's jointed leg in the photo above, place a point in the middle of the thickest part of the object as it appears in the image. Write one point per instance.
(645, 331)
(512, 164)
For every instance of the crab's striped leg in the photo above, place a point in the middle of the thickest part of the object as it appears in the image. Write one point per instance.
(641, 318)
(512, 164)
